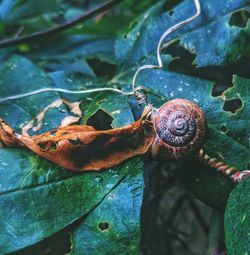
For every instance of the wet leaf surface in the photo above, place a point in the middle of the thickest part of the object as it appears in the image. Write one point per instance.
(237, 222)
(39, 198)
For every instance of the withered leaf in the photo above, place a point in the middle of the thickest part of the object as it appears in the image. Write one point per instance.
(82, 147)
(69, 120)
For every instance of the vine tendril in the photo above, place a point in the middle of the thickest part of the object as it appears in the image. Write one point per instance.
(163, 37)
(220, 166)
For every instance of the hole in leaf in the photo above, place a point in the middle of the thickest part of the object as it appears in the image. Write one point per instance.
(53, 147)
(100, 120)
(219, 88)
(171, 13)
(232, 105)
(48, 146)
(239, 18)
(182, 58)
(102, 69)
(103, 226)
(75, 141)
(223, 129)
(53, 133)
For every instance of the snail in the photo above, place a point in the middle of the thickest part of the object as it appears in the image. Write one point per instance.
(180, 129)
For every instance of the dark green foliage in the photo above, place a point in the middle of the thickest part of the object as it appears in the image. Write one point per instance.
(99, 212)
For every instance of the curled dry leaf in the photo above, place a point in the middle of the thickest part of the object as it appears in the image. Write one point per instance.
(8, 136)
(68, 120)
(75, 109)
(82, 148)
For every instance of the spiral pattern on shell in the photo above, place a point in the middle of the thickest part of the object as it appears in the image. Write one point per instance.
(180, 128)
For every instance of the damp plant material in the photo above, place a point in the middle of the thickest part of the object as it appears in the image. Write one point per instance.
(81, 147)
(37, 123)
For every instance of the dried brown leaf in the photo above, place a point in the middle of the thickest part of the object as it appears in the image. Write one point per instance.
(82, 148)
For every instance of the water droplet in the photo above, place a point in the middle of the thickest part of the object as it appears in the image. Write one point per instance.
(111, 196)
(113, 171)
(62, 110)
(109, 186)
(115, 175)
(98, 179)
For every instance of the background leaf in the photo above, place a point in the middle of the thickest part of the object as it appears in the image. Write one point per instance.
(113, 227)
(45, 198)
(237, 222)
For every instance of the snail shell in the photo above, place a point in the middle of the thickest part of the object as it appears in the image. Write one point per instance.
(180, 129)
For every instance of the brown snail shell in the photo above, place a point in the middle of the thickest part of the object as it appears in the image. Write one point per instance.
(180, 129)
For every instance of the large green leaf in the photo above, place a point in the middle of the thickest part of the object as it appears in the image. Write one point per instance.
(114, 225)
(147, 29)
(237, 223)
(39, 199)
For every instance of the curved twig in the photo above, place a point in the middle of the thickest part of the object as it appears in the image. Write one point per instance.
(64, 26)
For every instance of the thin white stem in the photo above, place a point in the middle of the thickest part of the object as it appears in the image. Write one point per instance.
(139, 70)
(163, 37)
(175, 27)
(34, 92)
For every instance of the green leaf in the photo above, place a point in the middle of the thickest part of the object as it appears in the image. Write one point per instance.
(113, 227)
(38, 199)
(144, 33)
(117, 107)
(237, 223)
(14, 11)
(221, 29)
